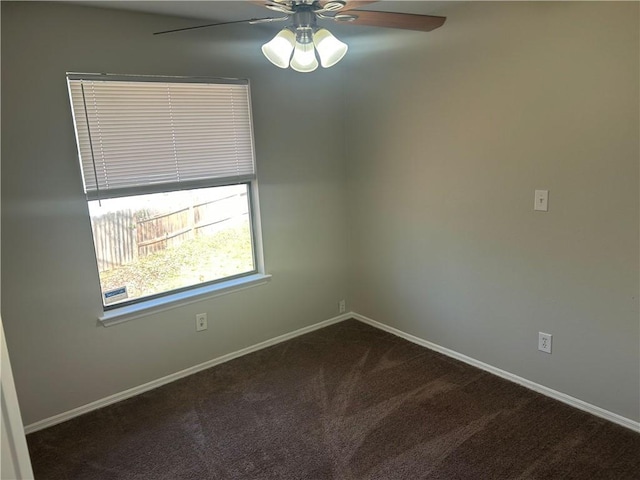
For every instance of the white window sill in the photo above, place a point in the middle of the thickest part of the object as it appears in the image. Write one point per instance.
(149, 307)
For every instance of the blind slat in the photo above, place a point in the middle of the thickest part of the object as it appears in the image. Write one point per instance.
(148, 133)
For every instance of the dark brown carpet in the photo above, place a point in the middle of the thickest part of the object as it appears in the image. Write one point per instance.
(344, 402)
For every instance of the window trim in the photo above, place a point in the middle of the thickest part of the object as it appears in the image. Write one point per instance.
(168, 187)
(179, 299)
(201, 292)
(122, 312)
(121, 77)
(222, 280)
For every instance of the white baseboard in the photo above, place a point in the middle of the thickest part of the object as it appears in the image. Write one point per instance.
(549, 392)
(132, 392)
(564, 398)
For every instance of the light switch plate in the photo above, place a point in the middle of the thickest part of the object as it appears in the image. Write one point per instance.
(541, 200)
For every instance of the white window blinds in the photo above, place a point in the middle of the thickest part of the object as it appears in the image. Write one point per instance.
(150, 135)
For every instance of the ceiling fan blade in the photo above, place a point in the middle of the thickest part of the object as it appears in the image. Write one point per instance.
(405, 21)
(350, 4)
(264, 3)
(251, 20)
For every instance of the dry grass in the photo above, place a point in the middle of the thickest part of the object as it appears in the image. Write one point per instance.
(207, 257)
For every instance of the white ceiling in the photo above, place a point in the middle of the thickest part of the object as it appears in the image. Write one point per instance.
(222, 11)
(214, 11)
(225, 11)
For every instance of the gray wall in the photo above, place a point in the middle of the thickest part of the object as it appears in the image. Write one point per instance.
(450, 134)
(50, 293)
(447, 135)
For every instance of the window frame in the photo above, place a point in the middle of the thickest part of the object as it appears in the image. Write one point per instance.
(255, 270)
(142, 306)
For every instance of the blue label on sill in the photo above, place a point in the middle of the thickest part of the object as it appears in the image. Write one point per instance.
(117, 291)
(115, 294)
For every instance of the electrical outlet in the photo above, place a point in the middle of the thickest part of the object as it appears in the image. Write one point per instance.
(544, 342)
(201, 322)
(342, 306)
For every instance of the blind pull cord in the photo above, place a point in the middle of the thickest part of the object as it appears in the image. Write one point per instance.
(93, 158)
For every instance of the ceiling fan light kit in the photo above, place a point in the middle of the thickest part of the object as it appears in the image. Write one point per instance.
(329, 48)
(309, 39)
(304, 59)
(303, 45)
(296, 45)
(278, 51)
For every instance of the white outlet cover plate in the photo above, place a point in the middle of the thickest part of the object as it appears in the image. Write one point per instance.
(201, 322)
(544, 342)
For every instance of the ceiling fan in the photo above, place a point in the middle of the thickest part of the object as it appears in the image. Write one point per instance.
(296, 44)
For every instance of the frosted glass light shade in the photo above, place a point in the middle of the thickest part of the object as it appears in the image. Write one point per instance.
(304, 58)
(278, 50)
(330, 49)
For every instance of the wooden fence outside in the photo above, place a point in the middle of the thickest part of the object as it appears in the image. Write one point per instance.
(121, 239)
(114, 236)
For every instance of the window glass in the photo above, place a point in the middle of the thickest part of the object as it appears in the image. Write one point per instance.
(148, 245)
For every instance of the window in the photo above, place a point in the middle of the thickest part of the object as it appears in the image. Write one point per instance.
(169, 174)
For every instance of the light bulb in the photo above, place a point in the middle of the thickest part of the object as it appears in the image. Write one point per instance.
(330, 49)
(278, 50)
(304, 58)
